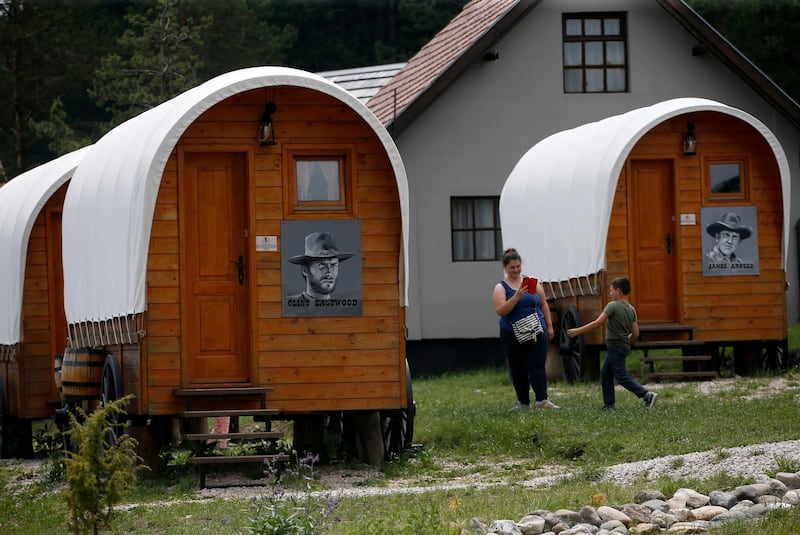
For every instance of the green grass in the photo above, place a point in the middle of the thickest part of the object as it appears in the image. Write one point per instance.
(466, 431)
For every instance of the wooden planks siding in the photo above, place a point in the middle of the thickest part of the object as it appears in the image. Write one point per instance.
(30, 381)
(328, 363)
(722, 308)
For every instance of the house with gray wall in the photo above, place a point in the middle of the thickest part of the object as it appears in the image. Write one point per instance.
(503, 76)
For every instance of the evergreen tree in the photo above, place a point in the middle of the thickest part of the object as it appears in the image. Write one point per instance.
(157, 60)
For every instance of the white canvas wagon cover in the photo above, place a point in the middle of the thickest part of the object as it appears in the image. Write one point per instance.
(109, 207)
(555, 207)
(21, 200)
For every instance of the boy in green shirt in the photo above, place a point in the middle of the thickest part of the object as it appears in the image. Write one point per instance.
(622, 328)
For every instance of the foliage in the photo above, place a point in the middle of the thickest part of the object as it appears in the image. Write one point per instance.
(98, 473)
(290, 509)
(156, 60)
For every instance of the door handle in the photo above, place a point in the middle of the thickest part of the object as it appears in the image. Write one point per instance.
(240, 268)
(669, 243)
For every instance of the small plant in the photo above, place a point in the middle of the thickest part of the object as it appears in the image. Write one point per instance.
(290, 508)
(721, 454)
(98, 473)
(787, 465)
(677, 462)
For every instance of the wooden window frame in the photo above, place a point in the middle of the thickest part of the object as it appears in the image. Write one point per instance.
(743, 195)
(344, 206)
(583, 39)
(473, 229)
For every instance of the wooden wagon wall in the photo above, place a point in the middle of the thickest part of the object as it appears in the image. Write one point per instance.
(321, 363)
(721, 308)
(30, 382)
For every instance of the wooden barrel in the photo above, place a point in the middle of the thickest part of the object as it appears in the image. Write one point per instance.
(81, 371)
(59, 359)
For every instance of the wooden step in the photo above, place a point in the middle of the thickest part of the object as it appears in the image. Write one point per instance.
(230, 412)
(677, 358)
(256, 435)
(225, 391)
(233, 459)
(673, 327)
(710, 374)
(203, 462)
(665, 344)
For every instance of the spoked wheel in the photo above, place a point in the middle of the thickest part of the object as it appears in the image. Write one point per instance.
(773, 355)
(2, 419)
(397, 426)
(570, 348)
(111, 390)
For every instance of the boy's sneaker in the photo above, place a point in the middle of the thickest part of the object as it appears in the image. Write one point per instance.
(520, 407)
(610, 408)
(546, 404)
(650, 399)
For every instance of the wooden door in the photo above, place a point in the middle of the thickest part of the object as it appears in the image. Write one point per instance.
(55, 279)
(654, 250)
(215, 268)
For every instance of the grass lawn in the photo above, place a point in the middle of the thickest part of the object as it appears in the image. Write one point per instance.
(466, 432)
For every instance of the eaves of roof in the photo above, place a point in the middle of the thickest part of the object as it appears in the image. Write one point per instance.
(457, 46)
(473, 31)
(724, 50)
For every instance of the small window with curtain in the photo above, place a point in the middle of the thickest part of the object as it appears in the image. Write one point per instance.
(475, 228)
(320, 180)
(726, 179)
(595, 53)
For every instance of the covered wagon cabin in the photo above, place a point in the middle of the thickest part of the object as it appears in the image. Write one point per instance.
(193, 237)
(651, 195)
(33, 328)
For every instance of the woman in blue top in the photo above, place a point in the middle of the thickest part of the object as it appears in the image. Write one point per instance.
(525, 361)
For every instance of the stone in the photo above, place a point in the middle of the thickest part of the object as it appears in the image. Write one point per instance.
(662, 519)
(568, 516)
(504, 527)
(698, 526)
(657, 504)
(611, 525)
(745, 492)
(792, 481)
(645, 528)
(636, 512)
(707, 512)
(588, 514)
(531, 525)
(723, 499)
(731, 516)
(792, 497)
(648, 494)
(609, 513)
(693, 498)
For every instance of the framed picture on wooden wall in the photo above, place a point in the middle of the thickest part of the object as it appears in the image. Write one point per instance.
(730, 240)
(321, 267)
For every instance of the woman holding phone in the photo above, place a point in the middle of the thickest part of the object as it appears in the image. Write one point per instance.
(517, 298)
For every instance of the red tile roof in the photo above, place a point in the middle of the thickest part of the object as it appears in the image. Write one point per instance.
(472, 33)
(478, 23)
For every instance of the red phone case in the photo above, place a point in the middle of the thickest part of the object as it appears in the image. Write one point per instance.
(530, 282)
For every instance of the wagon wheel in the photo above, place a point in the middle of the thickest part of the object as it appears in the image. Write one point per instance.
(2, 418)
(397, 426)
(773, 355)
(111, 390)
(570, 348)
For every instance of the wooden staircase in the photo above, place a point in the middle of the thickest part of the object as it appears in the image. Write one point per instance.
(653, 336)
(217, 397)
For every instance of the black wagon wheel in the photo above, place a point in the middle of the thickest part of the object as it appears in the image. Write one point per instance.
(2, 418)
(397, 426)
(111, 390)
(570, 348)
